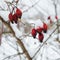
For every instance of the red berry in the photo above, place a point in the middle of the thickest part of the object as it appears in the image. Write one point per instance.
(11, 17)
(18, 13)
(15, 18)
(41, 37)
(56, 17)
(51, 21)
(45, 27)
(33, 33)
(48, 17)
(39, 29)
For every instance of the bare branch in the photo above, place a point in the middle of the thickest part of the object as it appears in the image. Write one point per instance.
(18, 40)
(12, 55)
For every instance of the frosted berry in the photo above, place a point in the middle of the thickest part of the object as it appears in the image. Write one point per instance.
(33, 33)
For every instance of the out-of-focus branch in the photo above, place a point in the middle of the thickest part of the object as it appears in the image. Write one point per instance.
(1, 8)
(55, 5)
(12, 55)
(7, 32)
(18, 40)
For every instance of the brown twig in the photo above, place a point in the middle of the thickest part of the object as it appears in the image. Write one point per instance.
(18, 40)
(12, 55)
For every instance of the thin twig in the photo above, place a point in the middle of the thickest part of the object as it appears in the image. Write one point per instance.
(12, 55)
(18, 40)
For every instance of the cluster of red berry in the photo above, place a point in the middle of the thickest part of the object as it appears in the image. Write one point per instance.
(49, 18)
(39, 31)
(14, 17)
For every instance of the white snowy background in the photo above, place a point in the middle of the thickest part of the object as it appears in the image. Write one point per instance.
(34, 11)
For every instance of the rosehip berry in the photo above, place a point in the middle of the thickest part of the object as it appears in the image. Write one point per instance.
(45, 27)
(39, 29)
(15, 18)
(41, 37)
(34, 33)
(18, 13)
(10, 17)
(49, 17)
(56, 17)
(51, 21)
